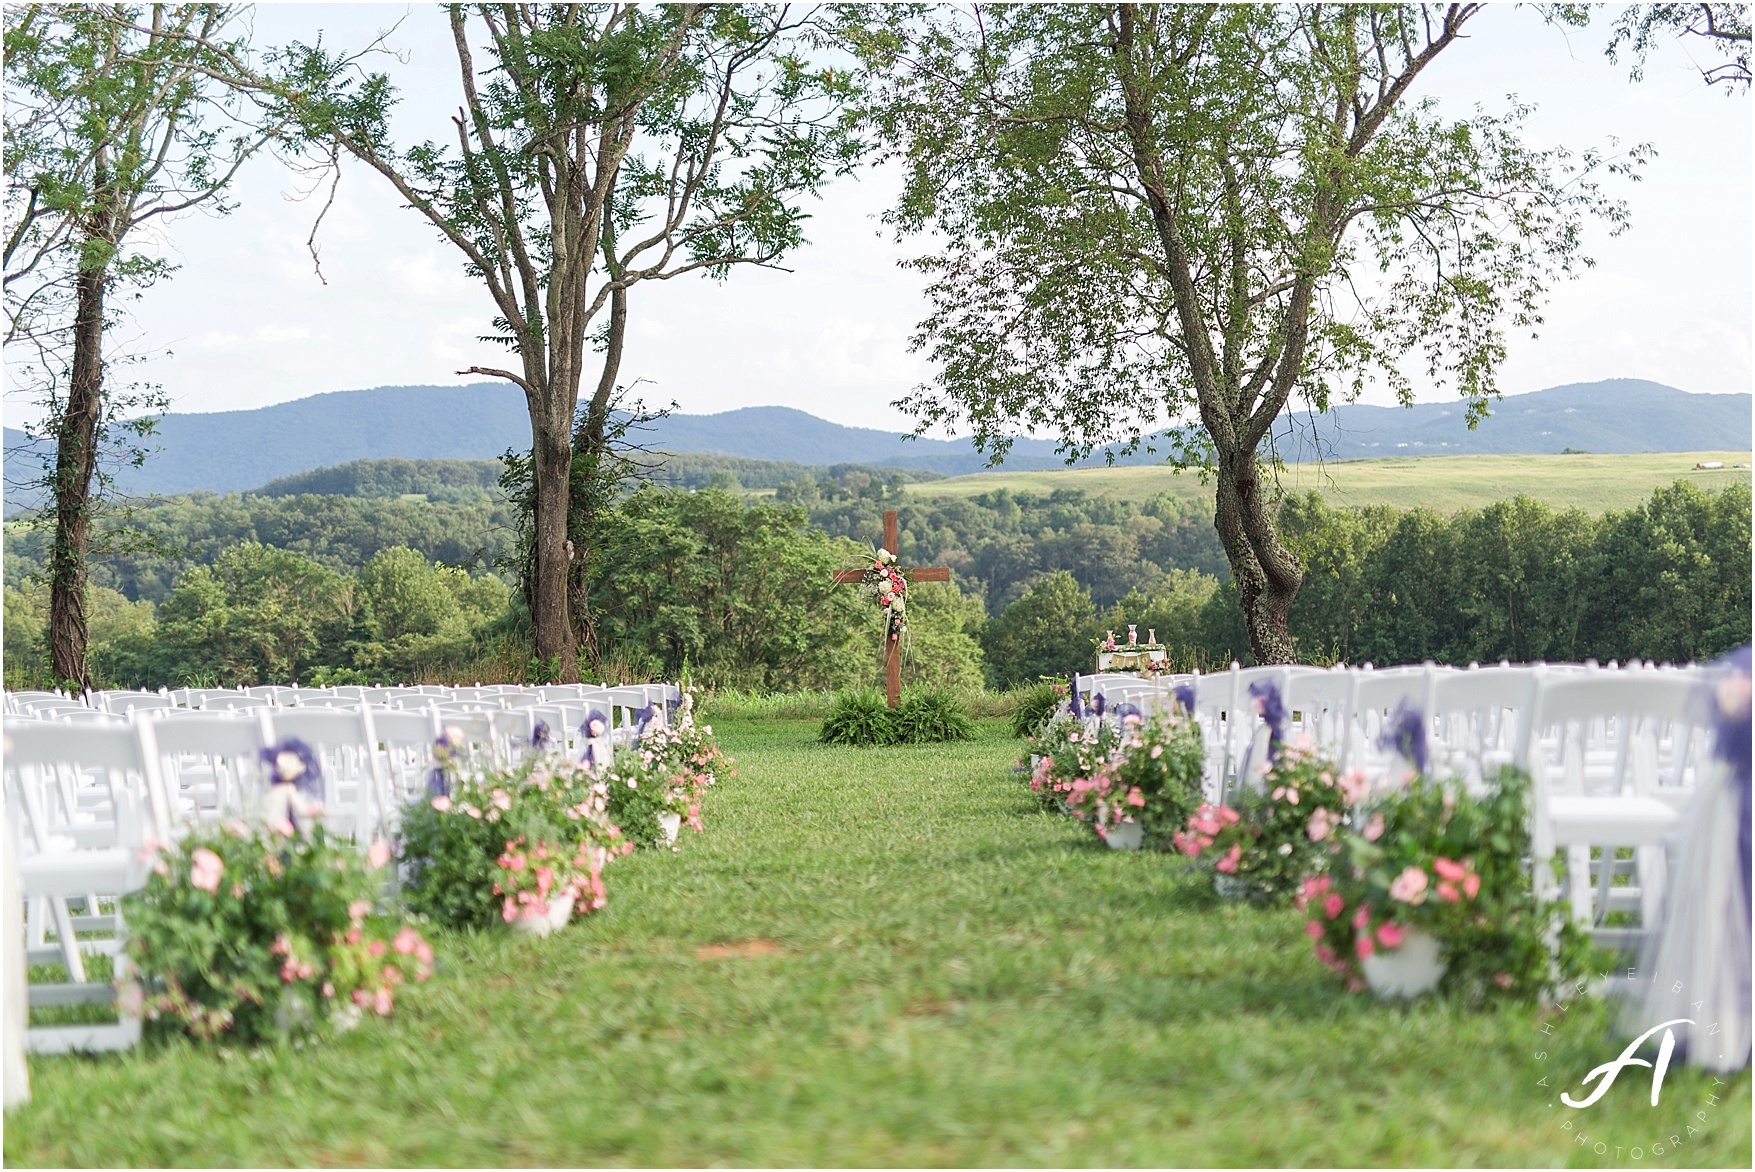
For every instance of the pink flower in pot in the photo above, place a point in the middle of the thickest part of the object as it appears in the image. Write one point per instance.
(1410, 886)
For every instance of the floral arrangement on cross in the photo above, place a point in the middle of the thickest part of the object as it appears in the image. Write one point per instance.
(889, 589)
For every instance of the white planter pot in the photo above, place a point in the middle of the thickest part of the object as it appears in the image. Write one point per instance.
(1231, 887)
(560, 910)
(1125, 836)
(671, 824)
(1414, 968)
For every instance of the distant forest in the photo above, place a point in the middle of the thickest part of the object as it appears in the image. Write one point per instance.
(389, 570)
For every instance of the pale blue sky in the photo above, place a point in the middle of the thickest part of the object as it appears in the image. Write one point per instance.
(246, 322)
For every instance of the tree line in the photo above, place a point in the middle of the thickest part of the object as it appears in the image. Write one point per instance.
(1668, 581)
(735, 592)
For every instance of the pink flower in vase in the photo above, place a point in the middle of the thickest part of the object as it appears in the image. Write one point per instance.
(205, 870)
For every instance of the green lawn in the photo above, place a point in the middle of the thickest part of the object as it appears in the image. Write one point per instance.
(916, 967)
(1444, 483)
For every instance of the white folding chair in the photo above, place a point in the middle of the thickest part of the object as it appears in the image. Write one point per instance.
(329, 701)
(210, 762)
(87, 800)
(623, 702)
(356, 793)
(1377, 693)
(475, 728)
(406, 740)
(52, 706)
(1613, 756)
(233, 702)
(1479, 719)
(122, 703)
(1319, 705)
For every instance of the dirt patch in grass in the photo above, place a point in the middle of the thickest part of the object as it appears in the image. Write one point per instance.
(929, 1007)
(743, 948)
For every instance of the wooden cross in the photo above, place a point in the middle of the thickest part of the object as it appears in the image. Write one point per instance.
(893, 647)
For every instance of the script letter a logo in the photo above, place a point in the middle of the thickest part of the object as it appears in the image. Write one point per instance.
(1608, 1070)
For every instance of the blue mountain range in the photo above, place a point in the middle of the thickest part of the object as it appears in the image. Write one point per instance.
(235, 451)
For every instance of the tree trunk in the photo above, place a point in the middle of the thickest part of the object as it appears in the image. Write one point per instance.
(75, 465)
(1266, 572)
(551, 465)
(590, 442)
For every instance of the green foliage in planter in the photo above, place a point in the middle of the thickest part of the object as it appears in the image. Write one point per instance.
(450, 866)
(931, 716)
(1164, 759)
(245, 935)
(1034, 705)
(639, 790)
(859, 717)
(452, 845)
(1434, 856)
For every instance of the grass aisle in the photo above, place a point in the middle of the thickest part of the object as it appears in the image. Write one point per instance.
(874, 957)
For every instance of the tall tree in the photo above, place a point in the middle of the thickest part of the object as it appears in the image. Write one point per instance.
(1182, 214)
(111, 123)
(598, 146)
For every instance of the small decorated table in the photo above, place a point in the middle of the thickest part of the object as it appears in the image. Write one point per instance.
(1141, 657)
(1147, 657)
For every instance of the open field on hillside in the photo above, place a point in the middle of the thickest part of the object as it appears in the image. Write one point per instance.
(1444, 483)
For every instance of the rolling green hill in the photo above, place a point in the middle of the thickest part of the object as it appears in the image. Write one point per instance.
(1594, 483)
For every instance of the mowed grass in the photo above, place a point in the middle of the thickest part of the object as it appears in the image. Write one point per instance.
(1445, 483)
(882, 957)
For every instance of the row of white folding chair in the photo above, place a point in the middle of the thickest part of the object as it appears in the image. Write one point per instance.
(122, 703)
(210, 759)
(20, 701)
(48, 705)
(1615, 776)
(1612, 754)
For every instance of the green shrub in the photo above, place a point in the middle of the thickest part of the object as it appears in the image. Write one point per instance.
(859, 717)
(1033, 706)
(931, 716)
